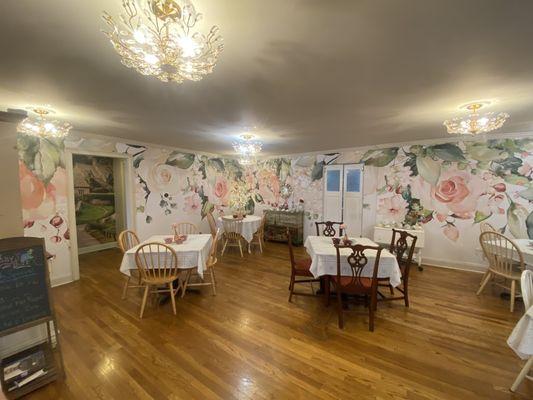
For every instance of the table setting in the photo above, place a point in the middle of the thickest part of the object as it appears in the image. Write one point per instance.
(250, 224)
(191, 250)
(324, 258)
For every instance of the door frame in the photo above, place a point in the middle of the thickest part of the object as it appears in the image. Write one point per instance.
(129, 199)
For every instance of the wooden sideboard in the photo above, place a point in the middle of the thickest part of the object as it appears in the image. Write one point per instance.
(383, 235)
(277, 222)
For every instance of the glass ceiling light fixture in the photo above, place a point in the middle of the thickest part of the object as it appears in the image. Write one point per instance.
(43, 127)
(247, 149)
(474, 123)
(156, 38)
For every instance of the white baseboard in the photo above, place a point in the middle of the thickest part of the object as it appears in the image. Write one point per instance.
(61, 280)
(459, 265)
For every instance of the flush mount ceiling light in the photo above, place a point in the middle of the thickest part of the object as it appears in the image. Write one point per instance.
(475, 123)
(43, 127)
(156, 38)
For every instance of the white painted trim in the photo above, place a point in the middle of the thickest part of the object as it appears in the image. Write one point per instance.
(62, 280)
(457, 265)
(129, 192)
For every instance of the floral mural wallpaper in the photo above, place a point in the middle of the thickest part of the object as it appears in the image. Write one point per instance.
(43, 190)
(448, 188)
(449, 183)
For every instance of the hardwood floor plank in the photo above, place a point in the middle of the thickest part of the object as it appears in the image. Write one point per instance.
(249, 342)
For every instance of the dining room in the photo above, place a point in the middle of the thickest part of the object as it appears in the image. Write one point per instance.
(281, 200)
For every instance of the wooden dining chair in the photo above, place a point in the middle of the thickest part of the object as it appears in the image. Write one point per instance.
(355, 283)
(526, 286)
(327, 228)
(402, 245)
(127, 240)
(212, 224)
(232, 234)
(505, 260)
(185, 228)
(486, 227)
(259, 236)
(209, 269)
(158, 266)
(299, 268)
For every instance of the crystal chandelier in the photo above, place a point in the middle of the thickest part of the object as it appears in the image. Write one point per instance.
(475, 123)
(247, 147)
(156, 38)
(42, 127)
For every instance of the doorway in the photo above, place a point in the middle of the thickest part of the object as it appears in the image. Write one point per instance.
(100, 201)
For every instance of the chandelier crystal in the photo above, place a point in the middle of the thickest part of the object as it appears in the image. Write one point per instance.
(157, 38)
(43, 127)
(247, 147)
(474, 123)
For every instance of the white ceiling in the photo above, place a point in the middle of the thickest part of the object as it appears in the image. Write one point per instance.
(309, 74)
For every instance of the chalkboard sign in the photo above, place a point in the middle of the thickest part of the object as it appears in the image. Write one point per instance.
(24, 285)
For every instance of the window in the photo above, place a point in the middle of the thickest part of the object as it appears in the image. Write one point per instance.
(353, 180)
(333, 180)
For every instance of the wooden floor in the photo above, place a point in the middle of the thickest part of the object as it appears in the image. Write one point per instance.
(248, 342)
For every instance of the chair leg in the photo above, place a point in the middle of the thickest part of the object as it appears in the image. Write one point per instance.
(406, 293)
(260, 244)
(523, 373)
(486, 279)
(186, 282)
(240, 247)
(391, 289)
(145, 297)
(291, 287)
(513, 294)
(249, 247)
(172, 297)
(339, 309)
(126, 284)
(213, 283)
(224, 248)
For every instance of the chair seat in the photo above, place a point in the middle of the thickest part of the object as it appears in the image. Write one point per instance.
(349, 283)
(160, 281)
(302, 267)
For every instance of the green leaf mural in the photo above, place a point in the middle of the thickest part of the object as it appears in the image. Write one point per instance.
(447, 152)
(41, 156)
(529, 225)
(429, 169)
(381, 157)
(180, 160)
(480, 151)
(480, 216)
(217, 164)
(318, 171)
(528, 193)
(516, 220)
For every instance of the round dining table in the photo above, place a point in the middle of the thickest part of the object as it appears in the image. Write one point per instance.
(250, 225)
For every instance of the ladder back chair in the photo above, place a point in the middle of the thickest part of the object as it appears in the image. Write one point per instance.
(127, 240)
(355, 283)
(185, 228)
(259, 236)
(210, 269)
(327, 228)
(299, 268)
(158, 266)
(402, 245)
(526, 285)
(504, 257)
(232, 234)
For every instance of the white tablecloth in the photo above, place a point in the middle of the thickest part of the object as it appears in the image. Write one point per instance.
(194, 252)
(521, 338)
(324, 259)
(526, 249)
(250, 225)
